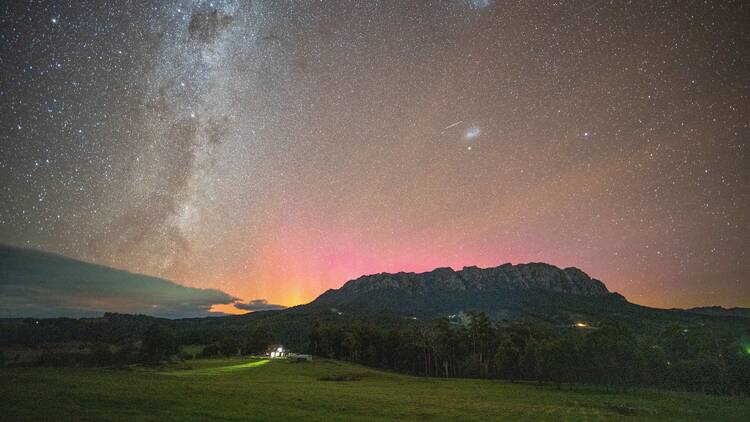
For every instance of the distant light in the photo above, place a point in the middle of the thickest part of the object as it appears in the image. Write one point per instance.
(747, 349)
(581, 325)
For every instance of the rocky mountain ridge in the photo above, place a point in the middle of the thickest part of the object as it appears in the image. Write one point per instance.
(504, 277)
(504, 292)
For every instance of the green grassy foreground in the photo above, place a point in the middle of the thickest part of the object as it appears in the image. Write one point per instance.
(237, 389)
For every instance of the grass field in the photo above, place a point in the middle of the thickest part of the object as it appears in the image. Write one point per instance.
(236, 389)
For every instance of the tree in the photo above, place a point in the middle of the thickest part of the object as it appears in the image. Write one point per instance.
(516, 356)
(256, 342)
(558, 361)
(481, 333)
(655, 367)
(737, 357)
(444, 346)
(530, 360)
(100, 354)
(211, 351)
(315, 338)
(711, 375)
(229, 346)
(612, 357)
(508, 360)
(159, 342)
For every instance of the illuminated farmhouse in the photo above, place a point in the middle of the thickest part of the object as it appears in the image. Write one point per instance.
(276, 351)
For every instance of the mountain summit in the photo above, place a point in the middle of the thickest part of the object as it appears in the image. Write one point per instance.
(499, 291)
(507, 276)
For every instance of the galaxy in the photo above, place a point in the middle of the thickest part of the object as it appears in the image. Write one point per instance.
(273, 150)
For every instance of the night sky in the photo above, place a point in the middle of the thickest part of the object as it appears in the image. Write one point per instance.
(276, 149)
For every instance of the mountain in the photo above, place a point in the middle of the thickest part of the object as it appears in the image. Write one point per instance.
(473, 279)
(720, 311)
(536, 292)
(503, 292)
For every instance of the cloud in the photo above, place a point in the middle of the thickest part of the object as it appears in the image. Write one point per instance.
(258, 305)
(43, 285)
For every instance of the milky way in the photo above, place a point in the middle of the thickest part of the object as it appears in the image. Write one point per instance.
(276, 149)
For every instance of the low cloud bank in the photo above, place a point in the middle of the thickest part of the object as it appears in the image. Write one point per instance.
(258, 305)
(43, 285)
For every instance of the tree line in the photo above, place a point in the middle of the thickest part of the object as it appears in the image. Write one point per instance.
(698, 357)
(119, 339)
(609, 355)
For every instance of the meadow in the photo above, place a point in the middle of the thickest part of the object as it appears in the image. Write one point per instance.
(260, 389)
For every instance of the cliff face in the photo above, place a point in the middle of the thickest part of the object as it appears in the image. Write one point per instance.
(473, 279)
(502, 291)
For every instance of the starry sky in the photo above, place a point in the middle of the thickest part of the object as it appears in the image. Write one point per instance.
(272, 150)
